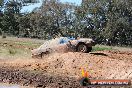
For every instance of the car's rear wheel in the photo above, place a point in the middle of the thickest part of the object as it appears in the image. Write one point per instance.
(82, 48)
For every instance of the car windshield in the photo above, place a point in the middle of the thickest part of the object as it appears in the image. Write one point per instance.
(65, 39)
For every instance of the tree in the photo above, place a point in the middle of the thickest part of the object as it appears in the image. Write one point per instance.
(118, 29)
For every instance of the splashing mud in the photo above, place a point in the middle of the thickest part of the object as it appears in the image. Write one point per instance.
(52, 46)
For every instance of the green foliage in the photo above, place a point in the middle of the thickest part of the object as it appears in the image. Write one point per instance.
(1, 2)
(107, 21)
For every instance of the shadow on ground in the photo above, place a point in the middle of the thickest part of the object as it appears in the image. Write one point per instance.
(102, 54)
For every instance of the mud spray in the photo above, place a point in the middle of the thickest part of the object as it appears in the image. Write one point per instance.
(57, 45)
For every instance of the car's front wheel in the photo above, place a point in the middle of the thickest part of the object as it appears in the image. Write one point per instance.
(83, 48)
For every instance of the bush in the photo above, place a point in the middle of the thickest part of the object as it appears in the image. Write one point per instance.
(12, 51)
(3, 36)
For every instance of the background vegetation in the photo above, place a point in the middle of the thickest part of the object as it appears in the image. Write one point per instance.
(106, 21)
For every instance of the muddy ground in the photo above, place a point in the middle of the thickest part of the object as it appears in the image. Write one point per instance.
(62, 70)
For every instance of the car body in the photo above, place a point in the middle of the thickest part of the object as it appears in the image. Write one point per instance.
(64, 44)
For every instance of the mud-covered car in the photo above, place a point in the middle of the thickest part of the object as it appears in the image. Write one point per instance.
(63, 44)
(82, 45)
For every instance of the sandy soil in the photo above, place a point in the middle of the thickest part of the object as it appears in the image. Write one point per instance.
(100, 65)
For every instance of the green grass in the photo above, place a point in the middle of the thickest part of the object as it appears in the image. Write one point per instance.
(104, 47)
(101, 48)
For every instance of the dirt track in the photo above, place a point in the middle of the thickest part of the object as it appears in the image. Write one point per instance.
(66, 66)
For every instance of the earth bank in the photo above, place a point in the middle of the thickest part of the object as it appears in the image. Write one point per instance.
(62, 70)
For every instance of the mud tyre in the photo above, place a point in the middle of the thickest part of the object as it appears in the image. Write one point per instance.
(82, 48)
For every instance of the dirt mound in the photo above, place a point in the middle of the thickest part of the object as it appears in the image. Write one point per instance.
(100, 65)
(104, 64)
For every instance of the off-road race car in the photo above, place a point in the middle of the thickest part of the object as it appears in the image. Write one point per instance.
(64, 44)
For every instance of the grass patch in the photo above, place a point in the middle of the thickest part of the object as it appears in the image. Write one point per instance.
(18, 47)
(101, 48)
(12, 51)
(8, 51)
(27, 44)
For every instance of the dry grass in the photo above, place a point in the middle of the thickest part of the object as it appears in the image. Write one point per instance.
(12, 47)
